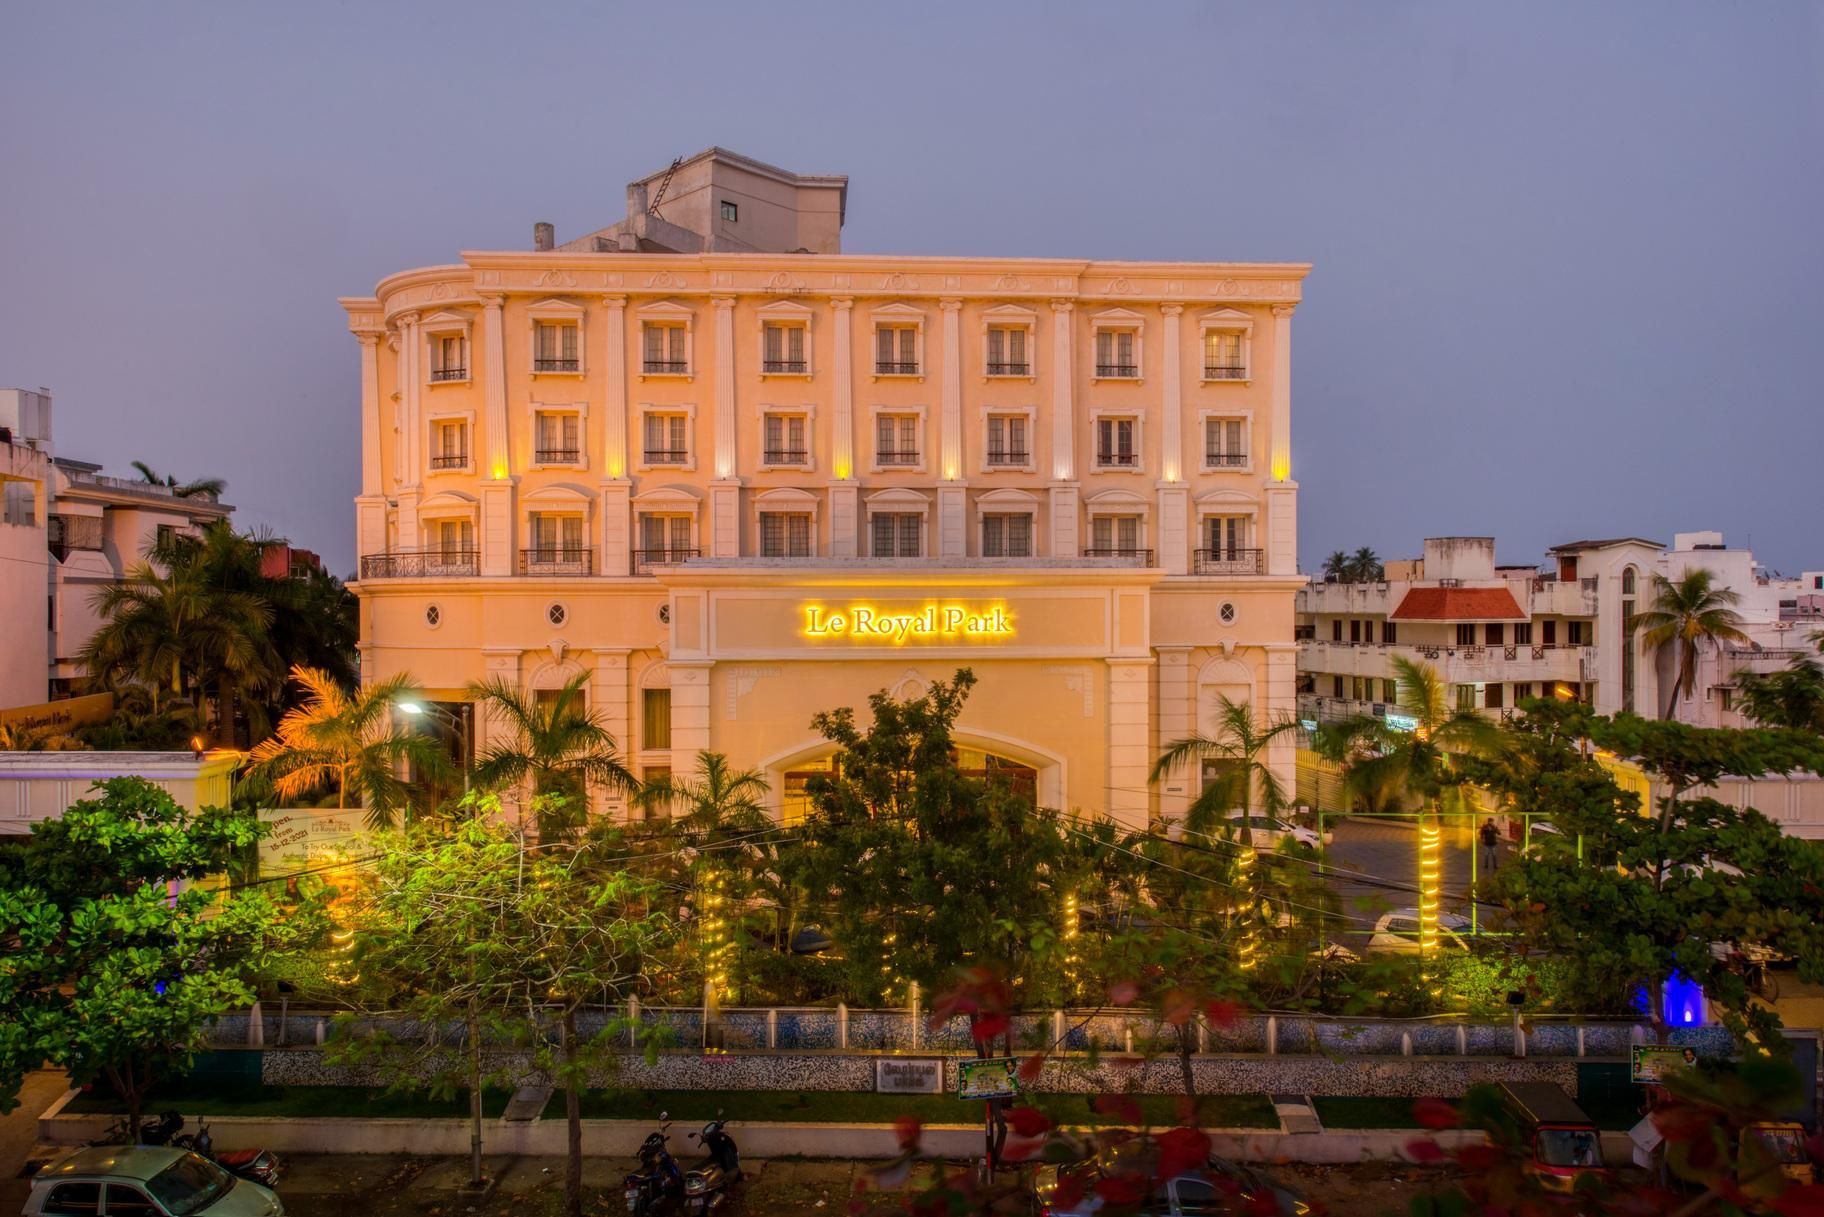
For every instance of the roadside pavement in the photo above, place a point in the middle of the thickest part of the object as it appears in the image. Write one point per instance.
(19, 1133)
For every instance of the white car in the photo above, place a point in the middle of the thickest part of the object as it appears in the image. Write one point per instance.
(1399, 931)
(1268, 832)
(145, 1181)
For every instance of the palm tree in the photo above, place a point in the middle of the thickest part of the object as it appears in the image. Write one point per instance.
(558, 746)
(1792, 698)
(350, 742)
(1336, 567)
(1382, 762)
(1238, 750)
(206, 488)
(1685, 614)
(1365, 566)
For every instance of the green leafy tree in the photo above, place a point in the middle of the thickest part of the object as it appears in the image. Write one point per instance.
(1654, 896)
(1383, 763)
(109, 976)
(1686, 615)
(351, 743)
(551, 747)
(478, 930)
(1365, 566)
(1235, 762)
(204, 488)
(1336, 567)
(1793, 697)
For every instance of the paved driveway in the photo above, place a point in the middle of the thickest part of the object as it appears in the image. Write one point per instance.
(1375, 867)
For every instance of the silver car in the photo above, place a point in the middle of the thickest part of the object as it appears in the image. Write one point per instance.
(144, 1181)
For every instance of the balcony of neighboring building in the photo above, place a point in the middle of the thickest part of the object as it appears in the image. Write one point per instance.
(1467, 664)
(1346, 599)
(1563, 597)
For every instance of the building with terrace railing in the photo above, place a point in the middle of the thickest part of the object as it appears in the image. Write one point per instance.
(1497, 635)
(736, 476)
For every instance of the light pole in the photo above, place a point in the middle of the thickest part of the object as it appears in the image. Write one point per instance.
(459, 722)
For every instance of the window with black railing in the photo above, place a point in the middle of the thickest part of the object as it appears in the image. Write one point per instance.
(557, 456)
(1222, 355)
(1117, 443)
(666, 367)
(785, 456)
(665, 540)
(449, 357)
(558, 438)
(555, 347)
(896, 350)
(554, 364)
(666, 439)
(1007, 351)
(1117, 353)
(1007, 440)
(1009, 456)
(782, 440)
(664, 351)
(896, 440)
(442, 374)
(783, 349)
(450, 460)
(784, 366)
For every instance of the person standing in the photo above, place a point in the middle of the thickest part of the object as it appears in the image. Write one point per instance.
(1491, 846)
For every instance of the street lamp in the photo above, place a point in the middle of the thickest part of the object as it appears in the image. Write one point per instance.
(459, 722)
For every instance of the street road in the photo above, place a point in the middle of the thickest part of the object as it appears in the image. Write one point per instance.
(1375, 868)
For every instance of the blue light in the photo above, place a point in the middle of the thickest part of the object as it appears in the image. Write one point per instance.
(158, 987)
(1684, 1002)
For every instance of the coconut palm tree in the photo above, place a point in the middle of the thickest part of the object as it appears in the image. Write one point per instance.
(1238, 751)
(1790, 698)
(1336, 567)
(1365, 566)
(206, 488)
(1686, 614)
(1383, 762)
(557, 747)
(350, 742)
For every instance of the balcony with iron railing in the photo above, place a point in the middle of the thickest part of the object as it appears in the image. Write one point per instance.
(557, 456)
(1010, 369)
(444, 374)
(665, 367)
(450, 460)
(1117, 460)
(1008, 456)
(667, 456)
(1473, 663)
(556, 365)
(1224, 371)
(645, 559)
(1121, 554)
(432, 563)
(1118, 371)
(1224, 460)
(785, 456)
(784, 367)
(884, 367)
(1229, 562)
(557, 560)
(896, 456)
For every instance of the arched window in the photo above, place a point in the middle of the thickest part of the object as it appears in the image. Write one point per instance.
(1627, 581)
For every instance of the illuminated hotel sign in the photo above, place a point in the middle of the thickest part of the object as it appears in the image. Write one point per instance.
(932, 623)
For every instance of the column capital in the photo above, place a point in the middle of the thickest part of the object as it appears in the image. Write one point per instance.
(493, 300)
(368, 338)
(842, 304)
(409, 317)
(615, 300)
(1171, 310)
(950, 305)
(1063, 306)
(1283, 310)
(723, 302)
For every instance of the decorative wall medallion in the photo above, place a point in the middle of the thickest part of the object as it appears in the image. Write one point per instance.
(741, 682)
(1078, 679)
(444, 291)
(554, 278)
(1120, 287)
(898, 282)
(664, 278)
(1011, 283)
(1227, 287)
(910, 686)
(784, 283)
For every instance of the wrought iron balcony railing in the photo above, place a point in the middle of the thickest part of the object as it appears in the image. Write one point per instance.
(556, 365)
(449, 374)
(667, 456)
(1117, 460)
(1224, 460)
(557, 456)
(784, 366)
(785, 456)
(645, 559)
(1010, 369)
(557, 560)
(1131, 556)
(895, 456)
(1118, 371)
(1226, 371)
(1007, 456)
(450, 460)
(884, 368)
(666, 367)
(1229, 562)
(421, 564)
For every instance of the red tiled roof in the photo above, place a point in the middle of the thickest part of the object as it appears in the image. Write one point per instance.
(1458, 604)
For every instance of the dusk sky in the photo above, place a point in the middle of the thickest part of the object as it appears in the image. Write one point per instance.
(1568, 258)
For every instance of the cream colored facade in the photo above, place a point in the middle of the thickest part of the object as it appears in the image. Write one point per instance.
(705, 479)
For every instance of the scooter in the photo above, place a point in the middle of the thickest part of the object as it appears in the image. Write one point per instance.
(262, 1166)
(658, 1181)
(706, 1186)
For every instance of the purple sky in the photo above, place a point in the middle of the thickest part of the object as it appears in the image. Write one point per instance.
(1569, 257)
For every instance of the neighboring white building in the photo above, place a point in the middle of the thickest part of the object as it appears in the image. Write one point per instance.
(83, 531)
(38, 786)
(1499, 634)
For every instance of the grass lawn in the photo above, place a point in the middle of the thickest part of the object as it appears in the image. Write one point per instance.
(688, 1107)
(214, 1097)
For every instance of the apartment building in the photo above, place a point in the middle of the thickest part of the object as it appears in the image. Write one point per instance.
(85, 531)
(734, 476)
(1498, 634)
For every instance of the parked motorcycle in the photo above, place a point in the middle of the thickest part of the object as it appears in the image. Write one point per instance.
(658, 1181)
(155, 1130)
(262, 1166)
(706, 1186)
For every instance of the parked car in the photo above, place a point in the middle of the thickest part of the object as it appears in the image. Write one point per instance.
(1189, 1194)
(145, 1181)
(1269, 832)
(1399, 931)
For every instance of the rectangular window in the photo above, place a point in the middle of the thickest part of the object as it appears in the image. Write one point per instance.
(1466, 697)
(1226, 540)
(665, 350)
(1523, 632)
(1336, 630)
(1115, 443)
(655, 719)
(1493, 695)
(1368, 630)
(1522, 691)
(1007, 440)
(554, 347)
(784, 349)
(897, 534)
(561, 537)
(785, 534)
(450, 444)
(449, 357)
(1355, 631)
(731, 212)
(784, 440)
(1549, 632)
(1494, 634)
(1007, 536)
(667, 439)
(1577, 631)
(1007, 351)
(1390, 690)
(558, 440)
(455, 540)
(1223, 447)
(896, 439)
(1222, 356)
(1115, 353)
(1390, 632)
(1336, 687)
(1114, 534)
(896, 350)
(1466, 634)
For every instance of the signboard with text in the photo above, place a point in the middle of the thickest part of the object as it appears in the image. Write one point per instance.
(996, 1078)
(310, 838)
(898, 1075)
(1650, 1063)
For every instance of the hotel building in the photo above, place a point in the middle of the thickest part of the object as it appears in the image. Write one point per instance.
(735, 476)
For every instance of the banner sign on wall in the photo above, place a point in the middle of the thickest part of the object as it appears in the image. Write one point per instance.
(309, 838)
